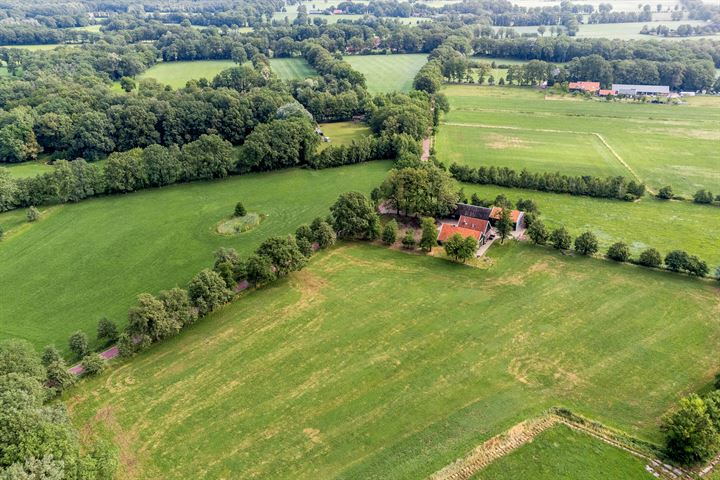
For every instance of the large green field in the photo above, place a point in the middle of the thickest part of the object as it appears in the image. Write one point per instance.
(27, 169)
(343, 133)
(623, 31)
(292, 68)
(388, 73)
(177, 74)
(663, 144)
(561, 453)
(84, 261)
(372, 363)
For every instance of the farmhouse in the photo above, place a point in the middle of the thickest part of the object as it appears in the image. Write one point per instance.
(447, 230)
(605, 93)
(516, 216)
(590, 87)
(640, 90)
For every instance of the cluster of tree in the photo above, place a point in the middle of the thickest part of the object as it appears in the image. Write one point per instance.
(38, 439)
(602, 187)
(33, 34)
(684, 30)
(383, 147)
(429, 78)
(621, 17)
(400, 113)
(419, 190)
(702, 196)
(692, 430)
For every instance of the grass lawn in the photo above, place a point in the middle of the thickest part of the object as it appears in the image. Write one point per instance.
(89, 28)
(83, 261)
(388, 73)
(177, 74)
(27, 169)
(292, 68)
(561, 453)
(40, 47)
(343, 133)
(663, 144)
(373, 363)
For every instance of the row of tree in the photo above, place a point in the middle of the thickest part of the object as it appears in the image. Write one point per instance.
(602, 187)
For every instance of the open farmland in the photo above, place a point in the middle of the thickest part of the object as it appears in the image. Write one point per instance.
(663, 144)
(336, 372)
(177, 74)
(292, 68)
(560, 453)
(388, 73)
(117, 246)
(343, 133)
(622, 31)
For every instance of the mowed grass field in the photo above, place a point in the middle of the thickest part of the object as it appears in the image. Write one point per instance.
(27, 169)
(663, 144)
(561, 453)
(388, 73)
(343, 133)
(177, 74)
(292, 68)
(373, 363)
(83, 261)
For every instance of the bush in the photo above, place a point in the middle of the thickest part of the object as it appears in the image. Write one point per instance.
(389, 233)
(677, 260)
(208, 291)
(690, 436)
(32, 214)
(240, 210)
(126, 347)
(408, 240)
(428, 240)
(304, 246)
(323, 234)
(650, 258)
(78, 344)
(93, 364)
(665, 193)
(538, 233)
(586, 243)
(560, 239)
(697, 267)
(619, 252)
(701, 196)
(107, 329)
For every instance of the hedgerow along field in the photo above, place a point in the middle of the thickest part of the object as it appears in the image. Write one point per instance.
(372, 363)
(622, 31)
(114, 247)
(561, 453)
(388, 73)
(663, 144)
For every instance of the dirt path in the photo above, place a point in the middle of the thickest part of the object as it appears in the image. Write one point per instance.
(425, 149)
(550, 130)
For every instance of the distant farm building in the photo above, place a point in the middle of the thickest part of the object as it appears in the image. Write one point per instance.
(590, 87)
(640, 90)
(605, 93)
(516, 217)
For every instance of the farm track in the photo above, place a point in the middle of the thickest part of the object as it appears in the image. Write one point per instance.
(551, 130)
(524, 432)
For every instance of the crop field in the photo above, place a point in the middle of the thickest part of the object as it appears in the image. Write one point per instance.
(662, 144)
(561, 453)
(388, 73)
(117, 246)
(343, 133)
(292, 68)
(372, 363)
(177, 74)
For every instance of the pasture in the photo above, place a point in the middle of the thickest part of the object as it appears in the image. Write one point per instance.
(343, 133)
(292, 68)
(372, 363)
(27, 169)
(561, 453)
(35, 48)
(177, 74)
(87, 260)
(662, 144)
(388, 73)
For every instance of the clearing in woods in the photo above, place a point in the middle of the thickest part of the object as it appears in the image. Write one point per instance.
(388, 73)
(664, 144)
(177, 74)
(307, 378)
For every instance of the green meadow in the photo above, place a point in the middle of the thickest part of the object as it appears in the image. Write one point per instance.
(663, 144)
(373, 363)
(343, 133)
(27, 169)
(177, 74)
(561, 453)
(292, 68)
(388, 73)
(83, 261)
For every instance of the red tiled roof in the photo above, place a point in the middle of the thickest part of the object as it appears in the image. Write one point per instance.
(473, 223)
(495, 214)
(605, 93)
(447, 231)
(585, 86)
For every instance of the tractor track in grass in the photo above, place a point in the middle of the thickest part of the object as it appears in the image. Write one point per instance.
(551, 130)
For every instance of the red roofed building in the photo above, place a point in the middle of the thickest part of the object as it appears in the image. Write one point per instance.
(590, 87)
(473, 223)
(447, 230)
(516, 216)
(605, 93)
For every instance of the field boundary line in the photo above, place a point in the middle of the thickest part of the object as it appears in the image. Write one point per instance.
(551, 130)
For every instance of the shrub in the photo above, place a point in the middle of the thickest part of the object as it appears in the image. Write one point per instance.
(126, 347)
(677, 260)
(78, 344)
(304, 246)
(408, 240)
(459, 248)
(93, 364)
(701, 196)
(560, 238)
(32, 214)
(538, 233)
(619, 252)
(697, 267)
(665, 193)
(50, 355)
(389, 233)
(690, 436)
(586, 243)
(323, 234)
(650, 258)
(240, 210)
(428, 240)
(106, 329)
(208, 291)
